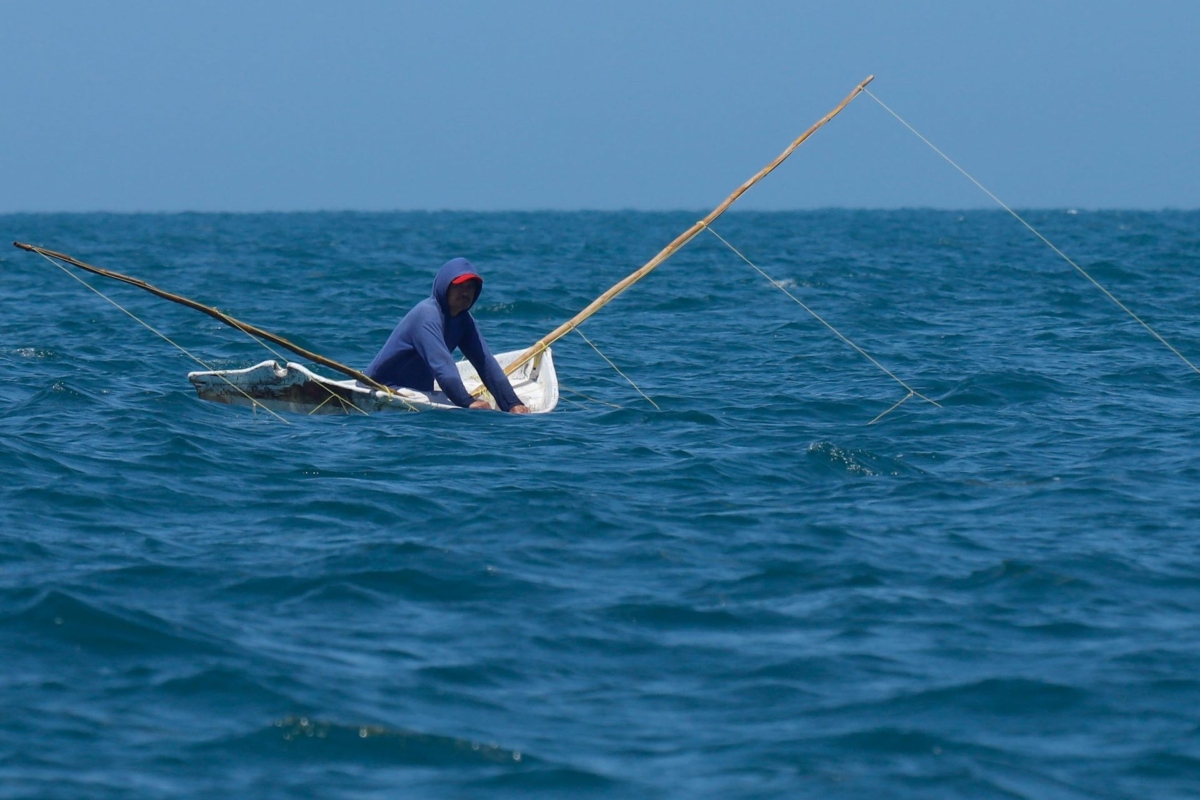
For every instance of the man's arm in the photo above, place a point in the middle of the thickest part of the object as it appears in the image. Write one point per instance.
(492, 374)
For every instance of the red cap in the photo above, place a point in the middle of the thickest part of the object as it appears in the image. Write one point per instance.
(470, 276)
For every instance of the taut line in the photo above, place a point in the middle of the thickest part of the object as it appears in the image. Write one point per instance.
(680, 241)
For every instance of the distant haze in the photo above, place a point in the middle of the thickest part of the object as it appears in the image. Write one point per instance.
(232, 106)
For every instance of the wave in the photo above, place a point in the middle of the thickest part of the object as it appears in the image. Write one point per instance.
(834, 459)
(108, 629)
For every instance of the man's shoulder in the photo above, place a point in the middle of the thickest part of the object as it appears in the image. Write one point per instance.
(425, 311)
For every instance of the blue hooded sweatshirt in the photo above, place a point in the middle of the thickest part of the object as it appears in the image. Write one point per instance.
(419, 350)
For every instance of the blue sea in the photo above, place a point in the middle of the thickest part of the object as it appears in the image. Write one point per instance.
(751, 592)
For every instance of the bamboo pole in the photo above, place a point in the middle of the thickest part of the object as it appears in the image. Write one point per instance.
(212, 312)
(683, 238)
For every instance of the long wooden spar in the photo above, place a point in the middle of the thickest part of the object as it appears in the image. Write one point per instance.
(212, 312)
(680, 241)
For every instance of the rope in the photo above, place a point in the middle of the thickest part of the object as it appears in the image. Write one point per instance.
(165, 338)
(618, 369)
(321, 404)
(586, 396)
(836, 332)
(572, 402)
(1038, 234)
(894, 406)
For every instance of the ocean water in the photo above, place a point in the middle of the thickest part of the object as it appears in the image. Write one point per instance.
(751, 592)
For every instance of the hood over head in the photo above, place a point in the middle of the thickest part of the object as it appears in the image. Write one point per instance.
(453, 271)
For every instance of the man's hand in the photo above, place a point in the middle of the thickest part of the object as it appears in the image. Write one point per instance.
(519, 409)
(480, 404)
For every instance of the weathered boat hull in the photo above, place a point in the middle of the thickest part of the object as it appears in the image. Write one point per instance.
(296, 389)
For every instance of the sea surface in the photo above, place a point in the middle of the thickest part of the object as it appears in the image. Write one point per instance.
(751, 592)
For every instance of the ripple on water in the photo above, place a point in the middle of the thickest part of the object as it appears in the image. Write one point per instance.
(105, 629)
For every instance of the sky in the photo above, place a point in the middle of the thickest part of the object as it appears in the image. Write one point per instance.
(297, 106)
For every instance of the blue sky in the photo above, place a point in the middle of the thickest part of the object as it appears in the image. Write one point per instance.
(250, 106)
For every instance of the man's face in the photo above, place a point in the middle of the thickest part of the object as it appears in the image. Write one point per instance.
(460, 297)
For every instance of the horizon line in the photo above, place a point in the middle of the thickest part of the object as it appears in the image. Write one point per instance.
(1073, 209)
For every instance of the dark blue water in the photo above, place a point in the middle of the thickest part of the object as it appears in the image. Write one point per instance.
(750, 593)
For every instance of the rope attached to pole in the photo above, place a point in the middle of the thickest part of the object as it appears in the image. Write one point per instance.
(636, 388)
(683, 238)
(911, 391)
(1038, 234)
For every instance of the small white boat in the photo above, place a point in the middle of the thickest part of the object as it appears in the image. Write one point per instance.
(297, 389)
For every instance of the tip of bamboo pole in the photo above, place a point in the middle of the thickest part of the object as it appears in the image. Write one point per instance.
(23, 246)
(868, 79)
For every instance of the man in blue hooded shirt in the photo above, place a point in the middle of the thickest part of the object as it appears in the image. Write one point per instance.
(419, 350)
